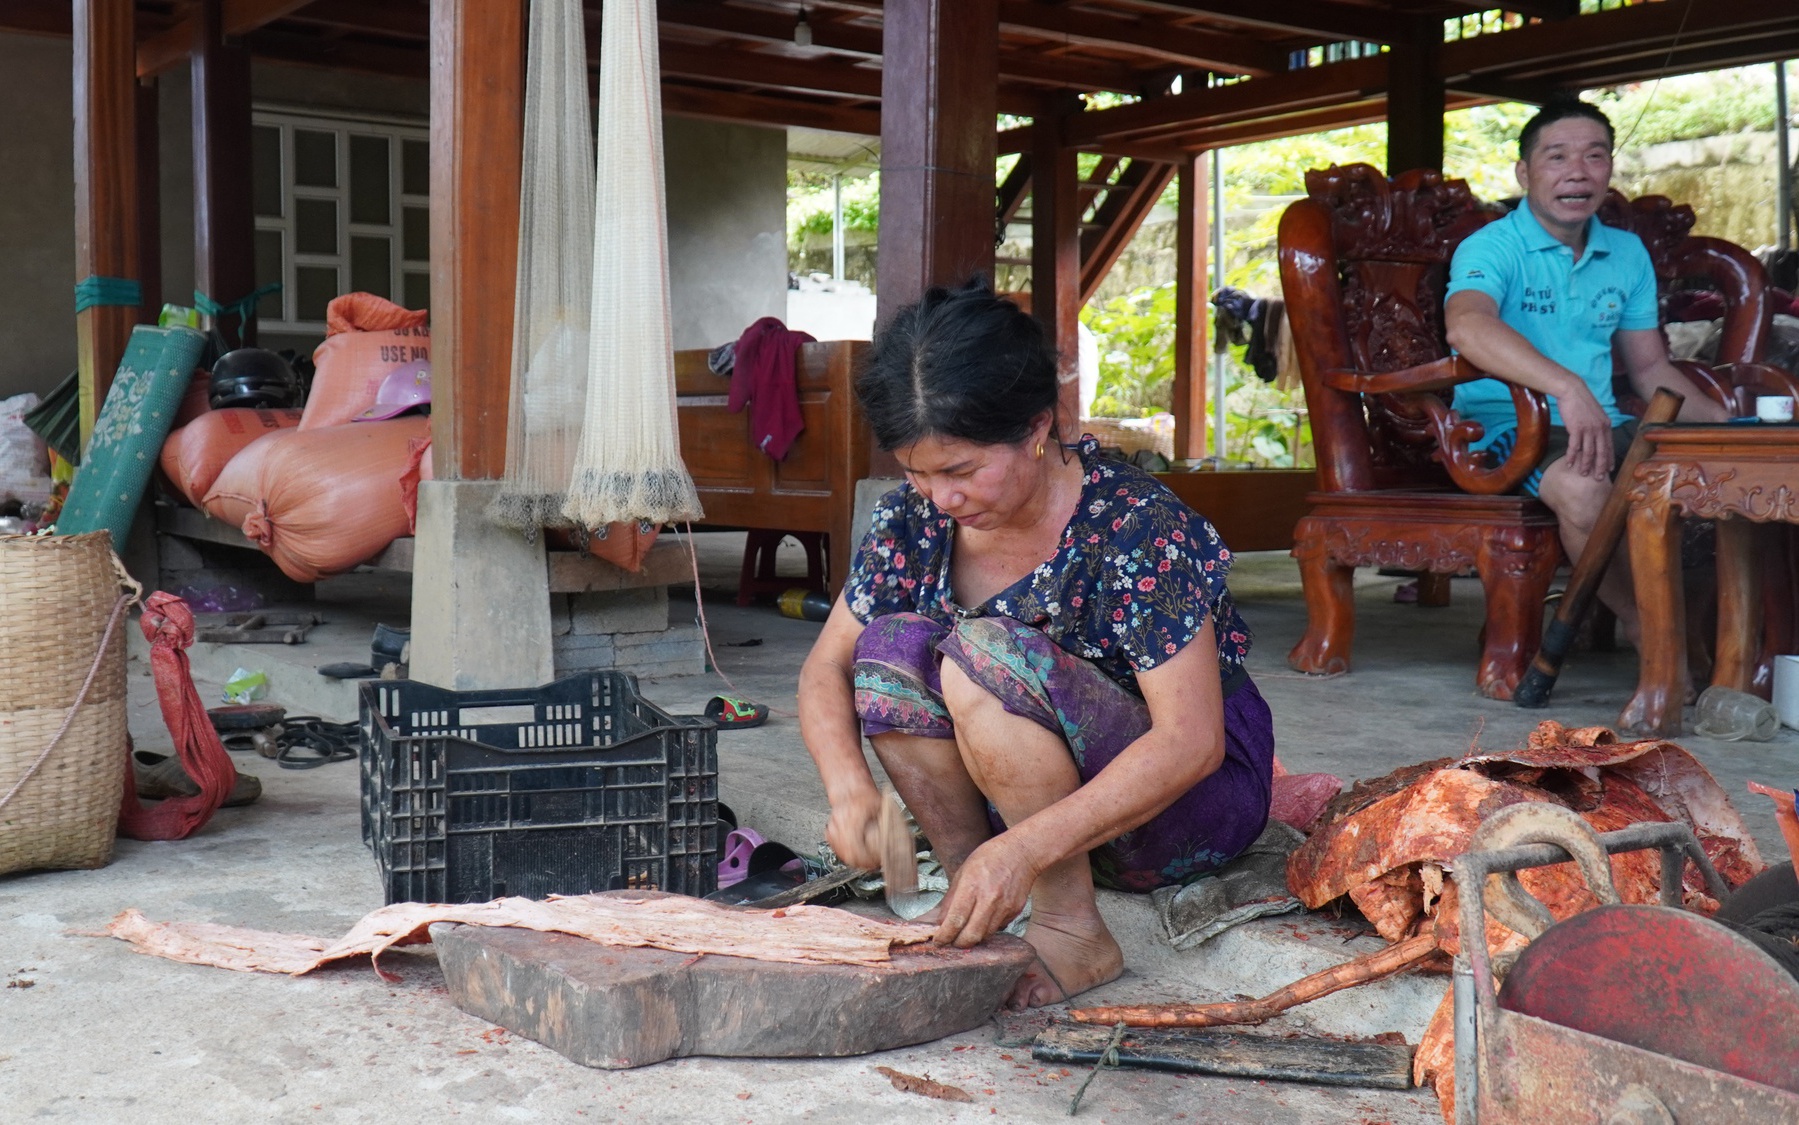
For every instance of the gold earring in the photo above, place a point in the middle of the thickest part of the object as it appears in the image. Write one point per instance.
(1040, 451)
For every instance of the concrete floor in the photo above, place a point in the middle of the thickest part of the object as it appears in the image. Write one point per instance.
(102, 1034)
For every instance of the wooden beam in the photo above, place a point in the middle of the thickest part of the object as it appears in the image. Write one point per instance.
(937, 146)
(1056, 206)
(755, 68)
(1361, 111)
(477, 127)
(1527, 91)
(1118, 219)
(106, 242)
(1177, 113)
(1316, 18)
(361, 56)
(34, 17)
(1187, 47)
(1536, 9)
(1612, 34)
(1415, 99)
(768, 109)
(224, 214)
(1191, 242)
(238, 17)
(1641, 66)
(1012, 191)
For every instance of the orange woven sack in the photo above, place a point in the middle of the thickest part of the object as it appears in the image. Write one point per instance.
(367, 337)
(197, 400)
(330, 498)
(238, 486)
(195, 454)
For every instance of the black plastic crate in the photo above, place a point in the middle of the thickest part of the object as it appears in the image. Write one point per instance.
(581, 785)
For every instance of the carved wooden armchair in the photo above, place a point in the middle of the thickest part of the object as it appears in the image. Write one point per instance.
(1364, 265)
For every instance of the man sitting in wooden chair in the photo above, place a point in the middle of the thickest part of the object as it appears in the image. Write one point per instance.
(1539, 298)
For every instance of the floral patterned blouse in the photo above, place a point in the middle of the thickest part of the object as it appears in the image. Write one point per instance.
(1134, 578)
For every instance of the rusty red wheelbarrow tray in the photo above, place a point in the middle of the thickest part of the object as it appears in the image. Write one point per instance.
(1638, 1014)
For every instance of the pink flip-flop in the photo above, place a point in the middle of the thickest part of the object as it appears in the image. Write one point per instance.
(734, 863)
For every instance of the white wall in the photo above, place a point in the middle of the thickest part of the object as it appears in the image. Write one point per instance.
(727, 221)
(37, 213)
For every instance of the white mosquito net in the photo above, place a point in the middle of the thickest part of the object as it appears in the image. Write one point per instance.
(628, 466)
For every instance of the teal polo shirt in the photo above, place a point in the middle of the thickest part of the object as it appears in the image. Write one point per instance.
(1568, 310)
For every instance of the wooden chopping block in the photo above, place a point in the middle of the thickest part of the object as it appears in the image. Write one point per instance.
(613, 1007)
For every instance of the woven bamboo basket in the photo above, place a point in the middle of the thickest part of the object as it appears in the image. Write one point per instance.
(58, 595)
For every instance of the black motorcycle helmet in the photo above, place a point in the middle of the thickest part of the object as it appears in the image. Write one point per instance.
(253, 377)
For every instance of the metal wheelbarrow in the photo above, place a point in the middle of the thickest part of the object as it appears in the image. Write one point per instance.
(1622, 1015)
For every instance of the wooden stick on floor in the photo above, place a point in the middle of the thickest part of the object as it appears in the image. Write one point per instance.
(1370, 967)
(1608, 531)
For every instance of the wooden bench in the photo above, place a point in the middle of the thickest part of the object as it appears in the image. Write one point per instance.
(814, 488)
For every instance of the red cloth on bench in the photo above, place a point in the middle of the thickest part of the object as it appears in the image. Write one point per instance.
(763, 377)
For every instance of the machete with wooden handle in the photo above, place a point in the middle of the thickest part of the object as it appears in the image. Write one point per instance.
(1533, 690)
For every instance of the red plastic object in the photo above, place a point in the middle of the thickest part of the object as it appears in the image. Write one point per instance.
(168, 625)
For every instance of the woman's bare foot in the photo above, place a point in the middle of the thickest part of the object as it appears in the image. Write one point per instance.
(1074, 953)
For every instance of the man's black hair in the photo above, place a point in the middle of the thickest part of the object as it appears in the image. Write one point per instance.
(961, 363)
(1560, 107)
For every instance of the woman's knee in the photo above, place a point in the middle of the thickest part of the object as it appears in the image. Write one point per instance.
(962, 694)
(910, 636)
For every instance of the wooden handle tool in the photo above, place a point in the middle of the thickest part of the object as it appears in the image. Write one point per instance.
(899, 854)
(1533, 690)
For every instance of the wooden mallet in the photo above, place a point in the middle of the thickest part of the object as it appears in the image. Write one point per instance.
(1533, 690)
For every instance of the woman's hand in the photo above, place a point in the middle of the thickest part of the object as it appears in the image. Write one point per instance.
(987, 893)
(854, 828)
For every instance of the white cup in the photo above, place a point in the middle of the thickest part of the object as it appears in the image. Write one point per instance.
(1774, 408)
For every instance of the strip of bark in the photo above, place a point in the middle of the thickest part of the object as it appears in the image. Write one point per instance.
(1370, 967)
(913, 1084)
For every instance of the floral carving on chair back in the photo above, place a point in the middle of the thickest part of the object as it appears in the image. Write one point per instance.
(1661, 223)
(1394, 240)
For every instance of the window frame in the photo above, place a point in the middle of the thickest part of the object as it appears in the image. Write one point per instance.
(342, 126)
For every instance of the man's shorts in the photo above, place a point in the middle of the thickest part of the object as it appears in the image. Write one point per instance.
(1557, 448)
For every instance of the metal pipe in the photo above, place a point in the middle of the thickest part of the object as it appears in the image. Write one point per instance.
(1783, 160)
(837, 226)
(1467, 1042)
(1220, 355)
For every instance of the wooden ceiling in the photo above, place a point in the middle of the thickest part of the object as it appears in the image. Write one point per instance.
(737, 59)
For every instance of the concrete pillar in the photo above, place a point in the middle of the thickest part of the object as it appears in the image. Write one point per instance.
(480, 595)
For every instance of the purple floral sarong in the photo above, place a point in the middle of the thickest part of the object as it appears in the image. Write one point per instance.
(899, 687)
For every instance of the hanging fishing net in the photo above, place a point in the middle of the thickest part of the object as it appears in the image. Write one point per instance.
(628, 466)
(555, 274)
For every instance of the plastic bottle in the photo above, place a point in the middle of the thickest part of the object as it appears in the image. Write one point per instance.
(806, 605)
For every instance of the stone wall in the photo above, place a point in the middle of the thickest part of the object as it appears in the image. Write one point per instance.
(625, 629)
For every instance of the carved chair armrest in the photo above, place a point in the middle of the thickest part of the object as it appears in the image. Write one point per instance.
(1714, 379)
(1750, 379)
(1411, 389)
(1437, 375)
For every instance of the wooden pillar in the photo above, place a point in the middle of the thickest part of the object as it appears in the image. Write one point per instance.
(939, 79)
(106, 243)
(1415, 99)
(477, 131)
(1056, 207)
(224, 218)
(1191, 239)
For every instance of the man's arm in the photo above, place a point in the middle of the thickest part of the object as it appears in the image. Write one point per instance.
(1645, 356)
(1471, 319)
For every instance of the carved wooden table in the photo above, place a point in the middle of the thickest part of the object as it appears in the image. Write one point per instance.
(1746, 478)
